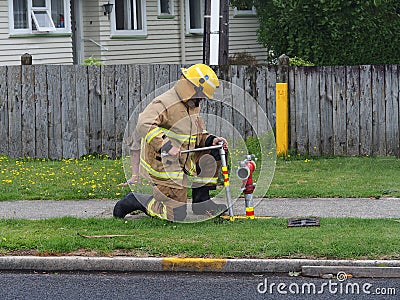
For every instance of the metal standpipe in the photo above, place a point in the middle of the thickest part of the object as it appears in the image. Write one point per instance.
(222, 153)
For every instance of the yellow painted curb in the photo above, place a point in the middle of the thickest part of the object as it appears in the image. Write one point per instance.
(192, 264)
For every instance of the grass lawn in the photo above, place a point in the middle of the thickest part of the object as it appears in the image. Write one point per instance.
(334, 239)
(337, 177)
(98, 176)
(89, 177)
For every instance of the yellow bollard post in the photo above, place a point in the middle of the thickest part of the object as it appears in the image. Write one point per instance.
(282, 119)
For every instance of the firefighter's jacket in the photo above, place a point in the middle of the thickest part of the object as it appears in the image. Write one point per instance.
(168, 119)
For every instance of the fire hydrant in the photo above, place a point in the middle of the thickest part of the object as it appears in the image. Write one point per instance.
(245, 173)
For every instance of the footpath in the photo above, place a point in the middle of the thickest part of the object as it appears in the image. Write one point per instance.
(275, 207)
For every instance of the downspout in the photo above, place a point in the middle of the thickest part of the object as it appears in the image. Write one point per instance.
(214, 32)
(183, 32)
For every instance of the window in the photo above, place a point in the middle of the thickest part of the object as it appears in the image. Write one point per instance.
(246, 10)
(165, 7)
(194, 16)
(36, 16)
(128, 17)
(41, 16)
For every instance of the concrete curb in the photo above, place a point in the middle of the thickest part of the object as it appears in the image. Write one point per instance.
(345, 272)
(374, 268)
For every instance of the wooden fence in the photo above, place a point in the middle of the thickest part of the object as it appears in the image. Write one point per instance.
(69, 111)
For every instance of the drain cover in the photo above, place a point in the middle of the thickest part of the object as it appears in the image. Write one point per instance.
(300, 222)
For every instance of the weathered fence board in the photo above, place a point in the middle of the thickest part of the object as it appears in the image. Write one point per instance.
(378, 111)
(134, 89)
(292, 110)
(238, 102)
(95, 106)
(69, 131)
(54, 112)
(108, 113)
(301, 110)
(4, 129)
(41, 101)
(227, 108)
(339, 110)
(353, 110)
(392, 109)
(326, 110)
(313, 115)
(250, 111)
(28, 112)
(134, 94)
(261, 97)
(69, 111)
(14, 106)
(121, 104)
(365, 110)
(270, 86)
(161, 79)
(82, 111)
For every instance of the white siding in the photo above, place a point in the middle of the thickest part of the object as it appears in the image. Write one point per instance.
(91, 14)
(243, 37)
(44, 49)
(162, 43)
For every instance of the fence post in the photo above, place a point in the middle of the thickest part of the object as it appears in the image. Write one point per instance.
(282, 107)
(26, 59)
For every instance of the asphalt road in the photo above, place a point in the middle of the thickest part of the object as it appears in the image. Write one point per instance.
(192, 286)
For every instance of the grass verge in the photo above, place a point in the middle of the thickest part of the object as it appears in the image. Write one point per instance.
(345, 238)
(336, 177)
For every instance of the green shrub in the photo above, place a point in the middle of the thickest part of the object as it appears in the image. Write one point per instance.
(337, 32)
(92, 61)
(297, 61)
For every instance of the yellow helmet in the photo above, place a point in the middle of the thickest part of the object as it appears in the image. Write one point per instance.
(203, 77)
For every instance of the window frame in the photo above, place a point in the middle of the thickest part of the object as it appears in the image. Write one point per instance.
(171, 9)
(39, 28)
(126, 32)
(194, 30)
(32, 19)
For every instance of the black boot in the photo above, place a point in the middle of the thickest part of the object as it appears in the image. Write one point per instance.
(203, 205)
(130, 203)
(180, 213)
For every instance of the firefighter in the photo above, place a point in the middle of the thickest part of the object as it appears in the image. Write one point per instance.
(169, 124)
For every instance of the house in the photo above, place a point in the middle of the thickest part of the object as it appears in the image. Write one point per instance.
(135, 32)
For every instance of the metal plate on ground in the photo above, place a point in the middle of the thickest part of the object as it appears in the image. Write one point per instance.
(301, 222)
